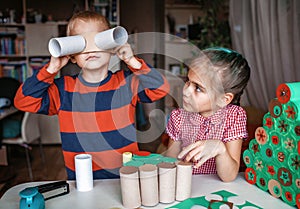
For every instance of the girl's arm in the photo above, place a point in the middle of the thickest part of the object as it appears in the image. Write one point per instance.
(227, 156)
(228, 163)
(174, 148)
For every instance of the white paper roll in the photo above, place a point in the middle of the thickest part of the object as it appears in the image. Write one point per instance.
(149, 185)
(84, 172)
(127, 156)
(167, 182)
(184, 181)
(130, 187)
(112, 38)
(62, 46)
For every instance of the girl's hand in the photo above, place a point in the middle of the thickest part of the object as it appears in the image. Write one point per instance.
(57, 63)
(201, 151)
(125, 53)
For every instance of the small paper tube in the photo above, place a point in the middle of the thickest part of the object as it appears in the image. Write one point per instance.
(149, 184)
(112, 38)
(84, 172)
(183, 181)
(127, 156)
(130, 187)
(167, 182)
(68, 45)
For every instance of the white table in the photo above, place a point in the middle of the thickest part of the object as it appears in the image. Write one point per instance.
(106, 194)
(7, 111)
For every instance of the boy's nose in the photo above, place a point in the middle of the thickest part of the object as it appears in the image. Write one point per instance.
(90, 43)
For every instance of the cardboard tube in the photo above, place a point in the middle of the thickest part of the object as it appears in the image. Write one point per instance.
(84, 172)
(275, 108)
(127, 156)
(184, 180)
(68, 45)
(112, 38)
(130, 188)
(167, 182)
(149, 184)
(288, 92)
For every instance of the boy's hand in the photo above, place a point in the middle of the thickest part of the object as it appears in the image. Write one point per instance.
(56, 63)
(125, 53)
(201, 151)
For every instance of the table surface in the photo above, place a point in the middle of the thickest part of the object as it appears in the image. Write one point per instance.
(7, 111)
(106, 194)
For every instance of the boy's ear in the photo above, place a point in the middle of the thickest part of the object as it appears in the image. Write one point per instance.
(72, 59)
(228, 97)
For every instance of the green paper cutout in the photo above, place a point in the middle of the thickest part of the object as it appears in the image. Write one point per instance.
(216, 204)
(201, 201)
(247, 204)
(225, 194)
(153, 159)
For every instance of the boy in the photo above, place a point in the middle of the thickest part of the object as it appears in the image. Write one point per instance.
(96, 108)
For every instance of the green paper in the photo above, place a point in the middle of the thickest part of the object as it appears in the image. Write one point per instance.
(248, 204)
(201, 201)
(225, 194)
(134, 163)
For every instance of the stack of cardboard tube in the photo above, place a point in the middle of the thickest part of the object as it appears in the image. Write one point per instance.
(150, 184)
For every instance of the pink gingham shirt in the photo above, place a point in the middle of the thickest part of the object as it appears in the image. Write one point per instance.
(227, 124)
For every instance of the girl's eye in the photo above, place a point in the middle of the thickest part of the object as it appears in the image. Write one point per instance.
(198, 89)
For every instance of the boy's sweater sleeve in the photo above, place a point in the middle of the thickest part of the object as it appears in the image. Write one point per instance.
(38, 94)
(152, 85)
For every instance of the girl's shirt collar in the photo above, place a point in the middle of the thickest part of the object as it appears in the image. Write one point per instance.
(217, 118)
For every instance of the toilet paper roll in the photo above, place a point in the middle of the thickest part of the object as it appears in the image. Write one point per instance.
(127, 156)
(130, 187)
(267, 153)
(274, 188)
(183, 181)
(296, 129)
(268, 121)
(254, 147)
(293, 162)
(288, 92)
(84, 172)
(68, 45)
(281, 157)
(275, 108)
(289, 143)
(262, 181)
(291, 110)
(283, 126)
(275, 139)
(149, 184)
(289, 195)
(261, 135)
(167, 182)
(112, 38)
(248, 158)
(250, 175)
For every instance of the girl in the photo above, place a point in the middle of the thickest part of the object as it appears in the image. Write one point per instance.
(211, 126)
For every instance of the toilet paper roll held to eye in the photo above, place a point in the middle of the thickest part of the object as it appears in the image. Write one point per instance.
(68, 45)
(111, 38)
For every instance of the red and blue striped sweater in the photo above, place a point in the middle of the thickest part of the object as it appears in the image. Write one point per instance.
(94, 118)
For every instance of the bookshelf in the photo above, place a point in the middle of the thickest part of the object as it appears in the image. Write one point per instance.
(24, 43)
(23, 48)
